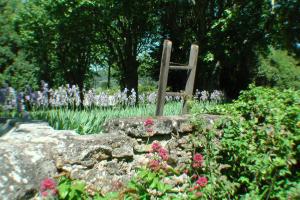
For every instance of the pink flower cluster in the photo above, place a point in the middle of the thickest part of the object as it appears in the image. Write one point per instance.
(162, 152)
(156, 148)
(148, 124)
(48, 188)
(201, 182)
(154, 165)
(197, 160)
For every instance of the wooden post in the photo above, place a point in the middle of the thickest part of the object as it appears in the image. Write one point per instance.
(189, 87)
(163, 77)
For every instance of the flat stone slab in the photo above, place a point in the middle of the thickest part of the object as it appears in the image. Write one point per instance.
(135, 127)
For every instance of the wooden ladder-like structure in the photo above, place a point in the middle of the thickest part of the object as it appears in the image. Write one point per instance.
(163, 77)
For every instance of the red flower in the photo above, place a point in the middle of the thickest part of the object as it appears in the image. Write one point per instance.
(196, 187)
(198, 160)
(202, 181)
(154, 165)
(163, 153)
(44, 194)
(149, 122)
(198, 157)
(197, 165)
(47, 184)
(54, 192)
(156, 147)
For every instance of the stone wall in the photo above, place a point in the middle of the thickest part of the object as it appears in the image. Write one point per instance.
(32, 151)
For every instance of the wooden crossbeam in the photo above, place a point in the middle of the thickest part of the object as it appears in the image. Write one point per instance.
(181, 67)
(174, 94)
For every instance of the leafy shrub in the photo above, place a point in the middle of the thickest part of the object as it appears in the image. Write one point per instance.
(259, 144)
(278, 69)
(73, 190)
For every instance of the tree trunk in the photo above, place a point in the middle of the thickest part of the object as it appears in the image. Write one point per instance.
(130, 77)
(108, 76)
(81, 95)
(130, 66)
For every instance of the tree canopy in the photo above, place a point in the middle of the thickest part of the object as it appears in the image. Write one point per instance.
(61, 41)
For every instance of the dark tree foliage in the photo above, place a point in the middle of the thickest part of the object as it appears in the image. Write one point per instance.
(63, 41)
(67, 37)
(14, 66)
(287, 25)
(128, 26)
(9, 40)
(228, 32)
(62, 38)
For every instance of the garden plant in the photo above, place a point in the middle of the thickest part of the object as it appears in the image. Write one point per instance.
(76, 64)
(252, 152)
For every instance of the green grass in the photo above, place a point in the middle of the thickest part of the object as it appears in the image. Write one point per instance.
(90, 121)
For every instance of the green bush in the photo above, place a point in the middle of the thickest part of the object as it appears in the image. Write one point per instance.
(259, 144)
(278, 69)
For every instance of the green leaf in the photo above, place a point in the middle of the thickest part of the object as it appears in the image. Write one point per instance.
(161, 187)
(154, 183)
(63, 190)
(78, 185)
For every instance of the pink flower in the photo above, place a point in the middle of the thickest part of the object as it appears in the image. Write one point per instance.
(154, 165)
(156, 147)
(149, 122)
(47, 184)
(197, 165)
(197, 160)
(54, 192)
(44, 194)
(198, 194)
(198, 157)
(202, 181)
(163, 153)
(196, 187)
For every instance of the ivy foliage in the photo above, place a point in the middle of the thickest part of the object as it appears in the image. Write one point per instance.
(259, 144)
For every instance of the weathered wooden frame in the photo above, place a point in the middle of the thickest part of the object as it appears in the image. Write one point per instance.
(163, 77)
